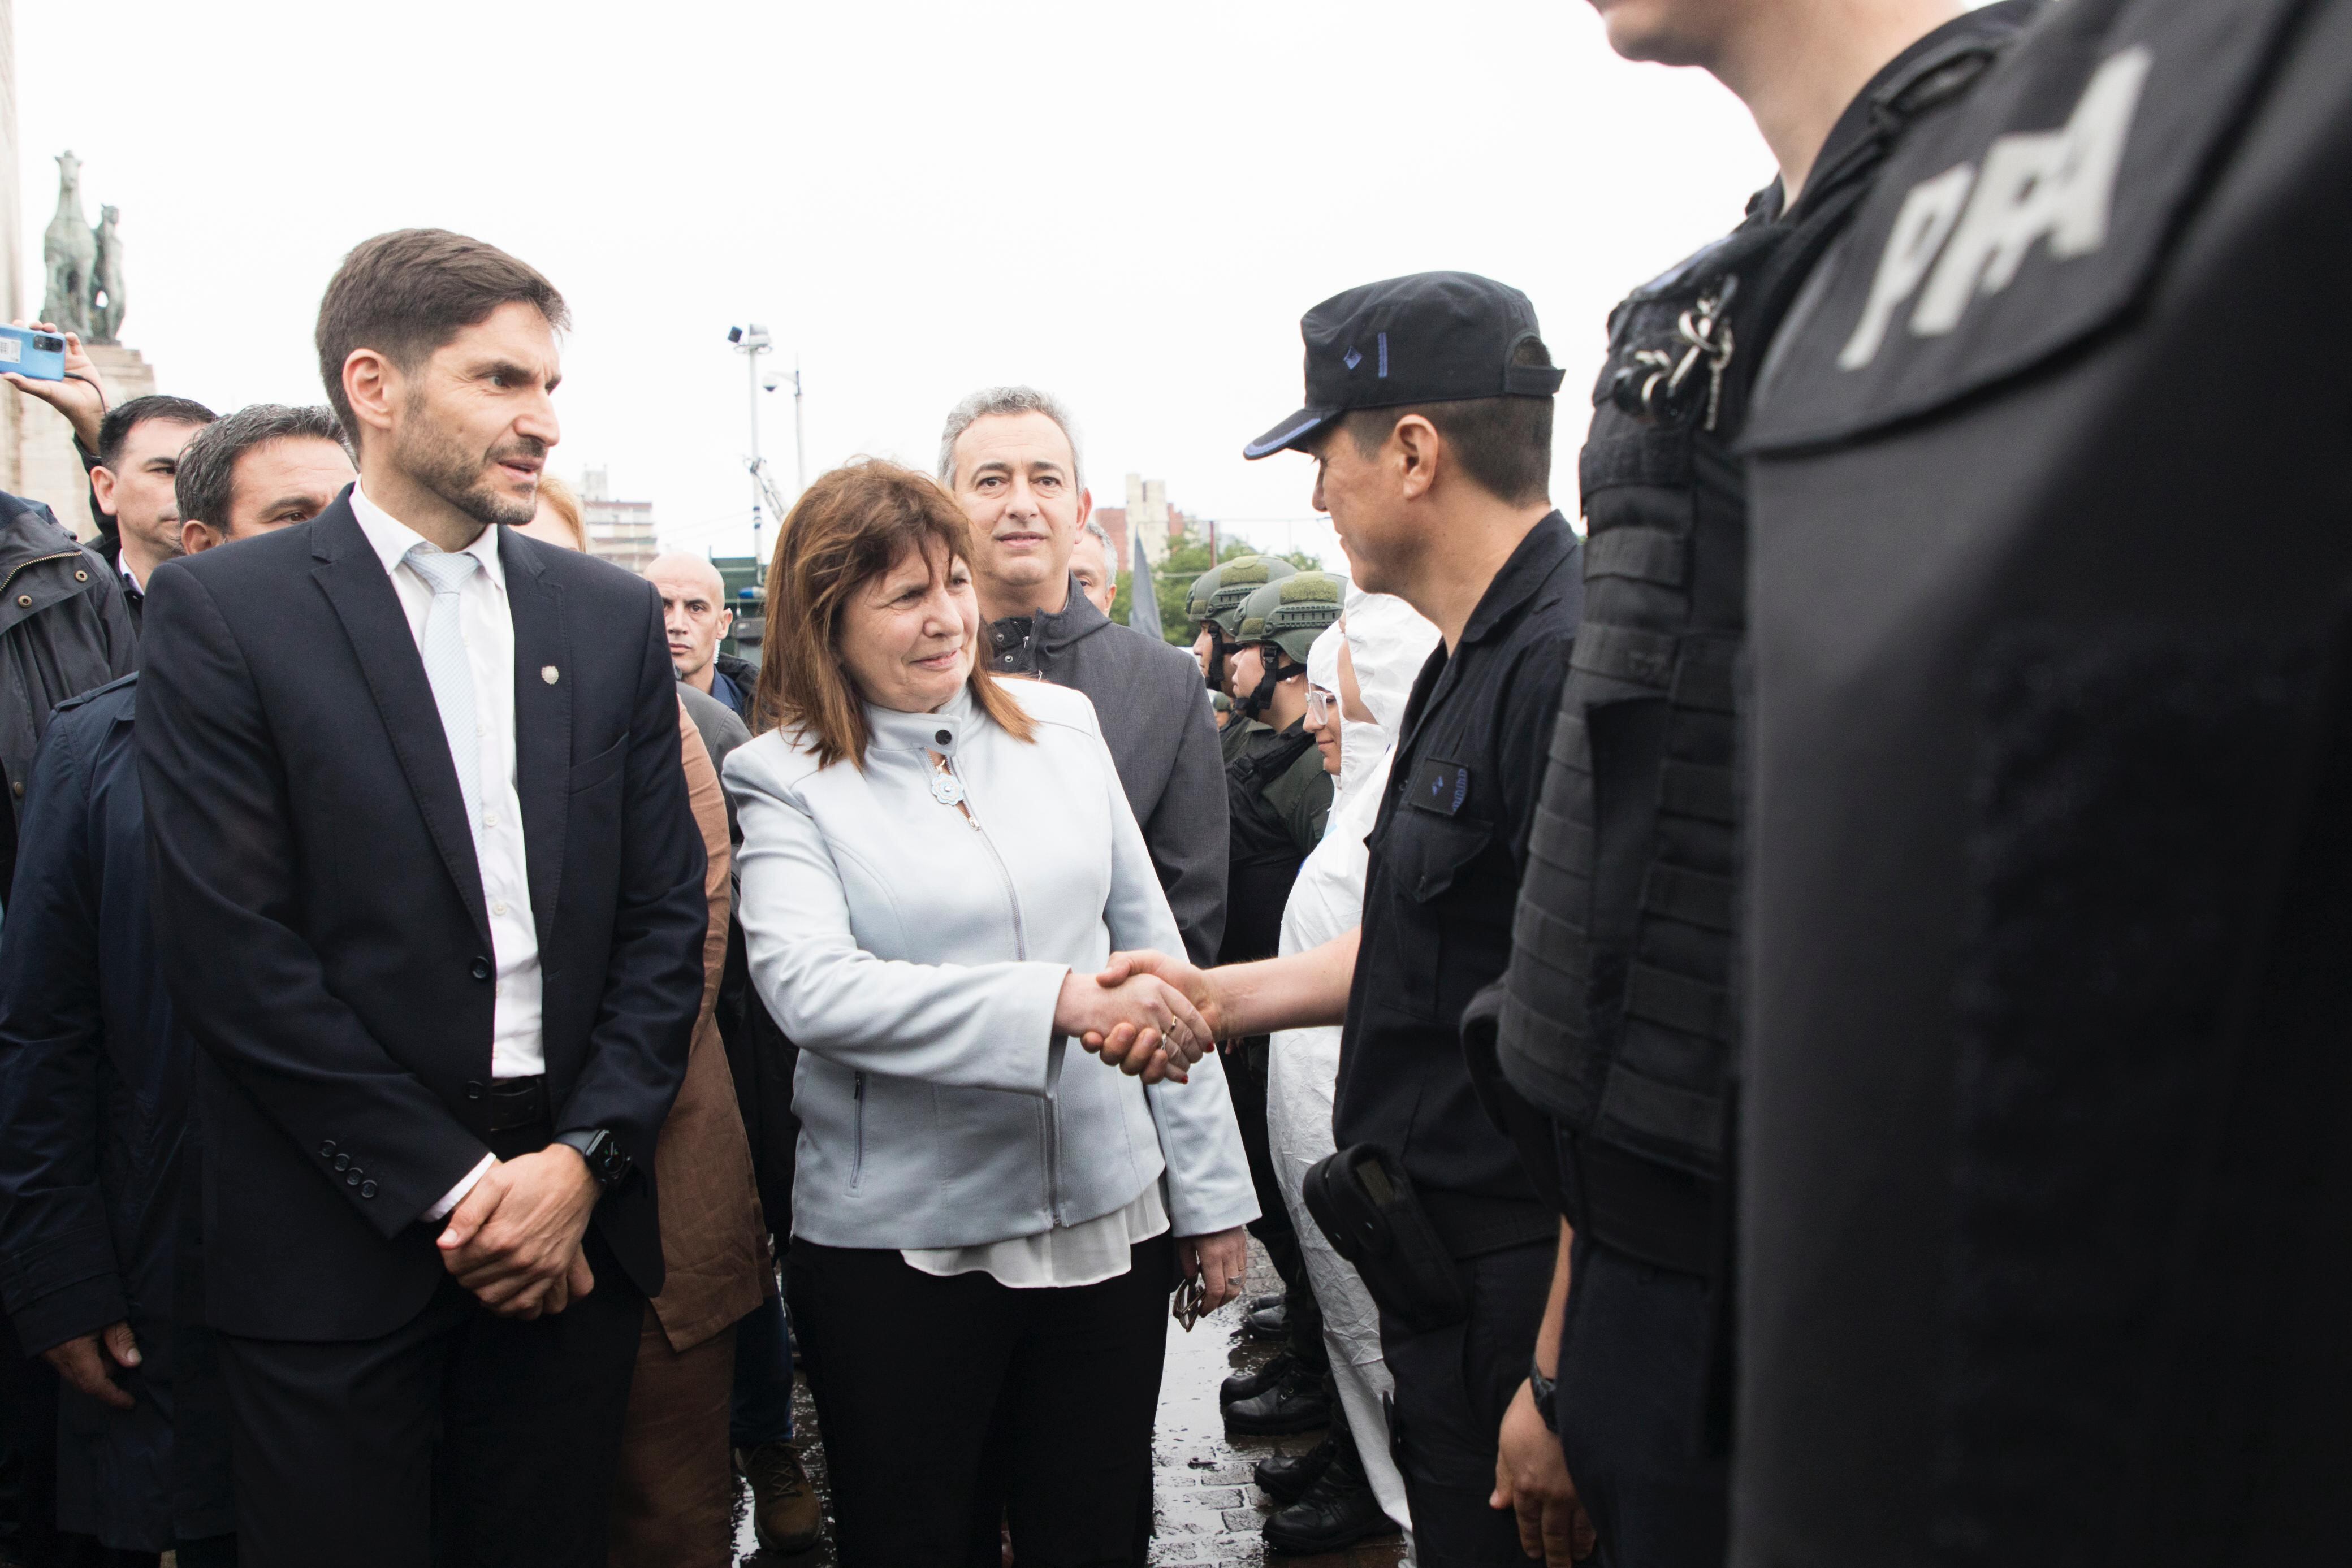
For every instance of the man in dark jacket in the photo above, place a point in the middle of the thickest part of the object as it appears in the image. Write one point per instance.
(63, 631)
(131, 454)
(131, 494)
(100, 1262)
(1008, 455)
(695, 618)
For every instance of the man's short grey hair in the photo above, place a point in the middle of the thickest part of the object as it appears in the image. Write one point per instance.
(1096, 528)
(206, 483)
(1006, 400)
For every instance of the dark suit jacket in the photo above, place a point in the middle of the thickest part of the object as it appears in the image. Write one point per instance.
(319, 913)
(96, 1142)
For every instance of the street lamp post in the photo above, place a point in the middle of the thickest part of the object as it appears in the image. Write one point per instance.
(799, 459)
(751, 341)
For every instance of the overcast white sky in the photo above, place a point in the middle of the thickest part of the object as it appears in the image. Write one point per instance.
(1128, 204)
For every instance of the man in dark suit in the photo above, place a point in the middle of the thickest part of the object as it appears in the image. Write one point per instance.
(428, 895)
(97, 1270)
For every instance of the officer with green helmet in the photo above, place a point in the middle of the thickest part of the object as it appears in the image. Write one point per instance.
(1277, 796)
(1207, 647)
(1277, 789)
(1221, 625)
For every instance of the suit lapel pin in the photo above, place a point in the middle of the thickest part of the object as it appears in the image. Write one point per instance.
(550, 673)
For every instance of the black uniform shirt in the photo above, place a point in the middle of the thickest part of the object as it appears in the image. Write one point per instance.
(1446, 854)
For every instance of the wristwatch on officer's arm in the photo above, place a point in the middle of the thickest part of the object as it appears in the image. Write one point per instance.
(1543, 1388)
(603, 1152)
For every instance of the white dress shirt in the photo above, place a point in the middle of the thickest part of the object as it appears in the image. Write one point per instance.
(517, 1050)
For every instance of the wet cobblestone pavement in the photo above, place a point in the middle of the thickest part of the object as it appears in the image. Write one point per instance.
(1208, 1515)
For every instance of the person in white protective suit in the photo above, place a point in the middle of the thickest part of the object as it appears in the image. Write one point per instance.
(1348, 1488)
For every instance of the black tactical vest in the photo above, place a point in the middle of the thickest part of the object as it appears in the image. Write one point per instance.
(1619, 1018)
(2046, 1113)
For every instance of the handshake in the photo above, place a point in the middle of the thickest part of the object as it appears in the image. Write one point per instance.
(1146, 1014)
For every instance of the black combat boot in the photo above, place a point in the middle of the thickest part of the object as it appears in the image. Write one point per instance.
(1285, 1477)
(1295, 1403)
(1242, 1385)
(1336, 1512)
(1267, 1317)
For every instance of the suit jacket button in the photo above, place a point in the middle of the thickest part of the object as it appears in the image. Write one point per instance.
(367, 1189)
(473, 1090)
(326, 1148)
(481, 968)
(351, 1178)
(342, 1162)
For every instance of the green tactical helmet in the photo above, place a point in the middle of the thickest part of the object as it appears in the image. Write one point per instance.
(1236, 581)
(1196, 597)
(1293, 611)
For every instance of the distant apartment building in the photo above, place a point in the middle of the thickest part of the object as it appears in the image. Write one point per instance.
(619, 531)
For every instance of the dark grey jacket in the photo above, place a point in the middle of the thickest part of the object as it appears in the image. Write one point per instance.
(1155, 715)
(63, 632)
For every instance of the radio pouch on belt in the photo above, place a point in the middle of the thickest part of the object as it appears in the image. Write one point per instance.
(1365, 1205)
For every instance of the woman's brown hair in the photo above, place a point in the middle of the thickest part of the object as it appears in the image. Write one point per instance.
(849, 527)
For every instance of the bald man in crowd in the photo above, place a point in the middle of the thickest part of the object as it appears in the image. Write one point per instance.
(696, 617)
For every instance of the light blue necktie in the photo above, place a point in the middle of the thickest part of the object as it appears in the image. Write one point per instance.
(448, 667)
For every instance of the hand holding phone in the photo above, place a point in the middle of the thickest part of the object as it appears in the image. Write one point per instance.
(43, 362)
(33, 353)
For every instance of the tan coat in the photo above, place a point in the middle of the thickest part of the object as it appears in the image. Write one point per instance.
(714, 1240)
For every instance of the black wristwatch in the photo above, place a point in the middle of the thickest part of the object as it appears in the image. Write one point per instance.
(1543, 1388)
(606, 1163)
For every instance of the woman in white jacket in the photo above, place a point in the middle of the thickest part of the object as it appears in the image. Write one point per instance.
(986, 1225)
(1384, 642)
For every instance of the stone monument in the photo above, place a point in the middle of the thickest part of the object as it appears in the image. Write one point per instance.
(106, 284)
(69, 252)
(85, 296)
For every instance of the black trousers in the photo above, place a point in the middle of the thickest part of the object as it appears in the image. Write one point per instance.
(461, 1438)
(1248, 1061)
(943, 1401)
(1634, 1349)
(1453, 1385)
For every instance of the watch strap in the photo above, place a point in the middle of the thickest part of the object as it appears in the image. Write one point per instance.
(1543, 1388)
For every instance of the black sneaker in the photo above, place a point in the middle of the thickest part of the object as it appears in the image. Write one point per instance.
(1285, 1477)
(1268, 1318)
(1296, 1403)
(1242, 1385)
(1337, 1510)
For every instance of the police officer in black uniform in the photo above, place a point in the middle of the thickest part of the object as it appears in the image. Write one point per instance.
(2048, 1127)
(1618, 1017)
(1429, 414)
(1277, 798)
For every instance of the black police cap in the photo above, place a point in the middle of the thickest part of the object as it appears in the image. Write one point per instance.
(1435, 337)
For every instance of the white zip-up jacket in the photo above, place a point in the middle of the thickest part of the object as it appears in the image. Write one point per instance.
(916, 955)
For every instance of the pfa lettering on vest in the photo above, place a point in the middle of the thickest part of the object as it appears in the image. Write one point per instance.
(1965, 232)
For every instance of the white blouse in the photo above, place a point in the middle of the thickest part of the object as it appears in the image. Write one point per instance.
(1086, 1253)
